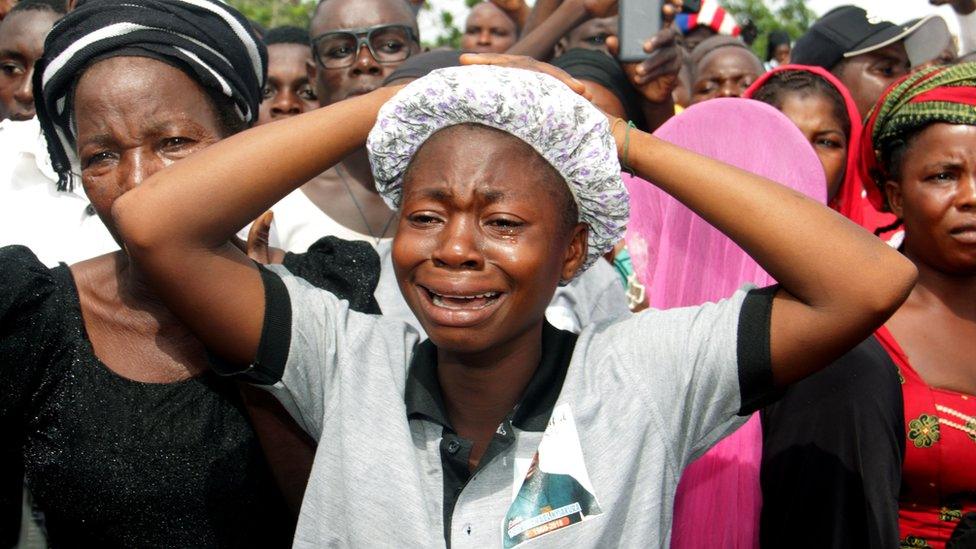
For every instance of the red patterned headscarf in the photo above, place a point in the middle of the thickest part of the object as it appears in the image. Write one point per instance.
(939, 94)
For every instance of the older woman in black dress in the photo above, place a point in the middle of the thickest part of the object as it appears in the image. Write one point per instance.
(106, 400)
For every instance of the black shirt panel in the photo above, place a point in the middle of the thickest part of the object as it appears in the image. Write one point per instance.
(833, 447)
(422, 394)
(348, 269)
(535, 408)
(752, 350)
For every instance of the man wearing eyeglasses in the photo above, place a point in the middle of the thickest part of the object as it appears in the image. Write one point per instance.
(356, 44)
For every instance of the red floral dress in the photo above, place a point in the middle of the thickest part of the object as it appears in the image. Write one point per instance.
(939, 474)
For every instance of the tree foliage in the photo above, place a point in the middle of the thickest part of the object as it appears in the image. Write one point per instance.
(275, 13)
(452, 30)
(792, 16)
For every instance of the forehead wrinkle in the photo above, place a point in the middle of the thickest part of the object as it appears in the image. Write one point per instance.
(483, 192)
(350, 15)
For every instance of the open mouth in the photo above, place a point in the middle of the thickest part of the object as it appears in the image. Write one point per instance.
(471, 302)
(966, 234)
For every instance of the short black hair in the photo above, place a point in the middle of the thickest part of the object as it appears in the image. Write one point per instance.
(805, 83)
(286, 35)
(53, 6)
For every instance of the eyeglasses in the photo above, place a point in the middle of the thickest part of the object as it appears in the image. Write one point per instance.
(386, 43)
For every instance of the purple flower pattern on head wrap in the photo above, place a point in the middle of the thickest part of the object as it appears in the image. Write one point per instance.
(565, 129)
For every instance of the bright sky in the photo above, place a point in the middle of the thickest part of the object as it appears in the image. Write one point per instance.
(897, 11)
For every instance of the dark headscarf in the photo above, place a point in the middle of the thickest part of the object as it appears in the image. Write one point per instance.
(207, 39)
(420, 65)
(604, 70)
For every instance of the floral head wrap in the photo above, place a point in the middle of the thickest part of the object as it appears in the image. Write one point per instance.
(565, 129)
(938, 94)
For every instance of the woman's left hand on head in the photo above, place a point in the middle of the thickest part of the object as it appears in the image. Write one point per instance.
(526, 63)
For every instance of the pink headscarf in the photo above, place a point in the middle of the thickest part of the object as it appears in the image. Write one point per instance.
(683, 260)
(852, 200)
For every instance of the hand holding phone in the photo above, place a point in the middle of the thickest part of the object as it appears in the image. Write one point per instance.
(639, 20)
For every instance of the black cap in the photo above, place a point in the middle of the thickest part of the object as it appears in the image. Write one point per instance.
(847, 31)
(422, 64)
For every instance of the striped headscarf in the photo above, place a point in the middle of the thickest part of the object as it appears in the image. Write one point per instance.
(939, 94)
(207, 39)
(710, 15)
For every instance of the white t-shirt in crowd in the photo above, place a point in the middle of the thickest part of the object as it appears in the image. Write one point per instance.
(300, 223)
(57, 226)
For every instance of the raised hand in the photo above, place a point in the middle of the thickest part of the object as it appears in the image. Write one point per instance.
(657, 76)
(509, 6)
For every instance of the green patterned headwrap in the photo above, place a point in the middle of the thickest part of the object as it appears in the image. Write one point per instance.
(939, 94)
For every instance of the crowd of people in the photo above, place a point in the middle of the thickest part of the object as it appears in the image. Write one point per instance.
(325, 287)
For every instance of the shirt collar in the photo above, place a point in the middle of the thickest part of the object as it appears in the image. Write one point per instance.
(24, 137)
(423, 391)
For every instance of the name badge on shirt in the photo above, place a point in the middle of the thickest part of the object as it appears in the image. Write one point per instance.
(555, 491)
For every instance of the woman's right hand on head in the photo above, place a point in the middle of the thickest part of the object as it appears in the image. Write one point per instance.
(526, 63)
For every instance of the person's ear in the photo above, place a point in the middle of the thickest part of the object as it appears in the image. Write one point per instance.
(576, 251)
(312, 71)
(895, 198)
(560, 47)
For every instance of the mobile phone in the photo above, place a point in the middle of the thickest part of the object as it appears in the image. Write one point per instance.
(639, 20)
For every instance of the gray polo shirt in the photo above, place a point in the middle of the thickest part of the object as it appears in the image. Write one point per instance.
(591, 457)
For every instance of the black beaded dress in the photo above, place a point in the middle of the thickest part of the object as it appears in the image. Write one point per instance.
(113, 462)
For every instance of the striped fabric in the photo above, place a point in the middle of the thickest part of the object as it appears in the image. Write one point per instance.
(710, 15)
(209, 40)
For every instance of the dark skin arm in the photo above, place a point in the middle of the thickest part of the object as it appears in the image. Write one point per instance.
(231, 315)
(656, 77)
(540, 12)
(836, 288)
(518, 10)
(838, 282)
(837, 285)
(539, 43)
(288, 449)
(541, 35)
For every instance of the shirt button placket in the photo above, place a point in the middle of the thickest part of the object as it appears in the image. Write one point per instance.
(453, 447)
